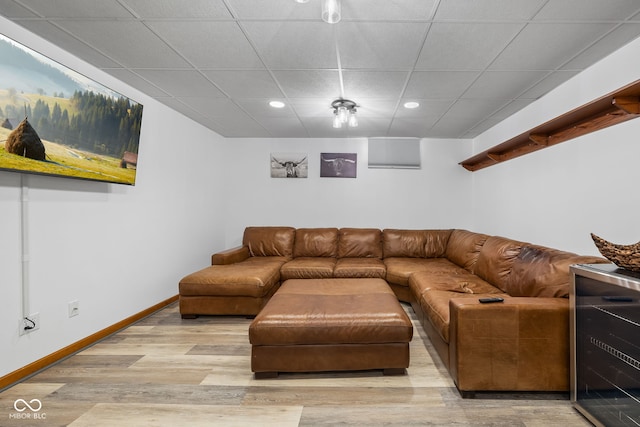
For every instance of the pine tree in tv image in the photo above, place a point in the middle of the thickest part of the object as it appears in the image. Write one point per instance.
(54, 121)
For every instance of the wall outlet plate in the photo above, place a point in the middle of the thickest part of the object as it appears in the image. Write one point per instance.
(74, 308)
(27, 326)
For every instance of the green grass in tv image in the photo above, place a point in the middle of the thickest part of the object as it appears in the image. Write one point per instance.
(62, 160)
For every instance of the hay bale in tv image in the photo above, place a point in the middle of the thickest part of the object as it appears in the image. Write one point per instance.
(7, 124)
(24, 141)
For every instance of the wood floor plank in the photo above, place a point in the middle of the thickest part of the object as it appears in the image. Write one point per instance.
(168, 371)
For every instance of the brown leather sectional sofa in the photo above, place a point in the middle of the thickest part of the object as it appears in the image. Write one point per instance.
(519, 344)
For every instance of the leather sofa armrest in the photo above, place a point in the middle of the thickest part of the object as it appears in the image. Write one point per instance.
(230, 256)
(519, 344)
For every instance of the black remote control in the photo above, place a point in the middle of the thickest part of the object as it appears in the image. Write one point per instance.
(490, 300)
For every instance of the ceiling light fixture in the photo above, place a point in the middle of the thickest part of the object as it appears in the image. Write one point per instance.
(276, 104)
(344, 113)
(331, 11)
(302, 1)
(411, 104)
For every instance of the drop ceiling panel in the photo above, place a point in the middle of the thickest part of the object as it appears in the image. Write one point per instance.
(530, 50)
(470, 46)
(468, 63)
(488, 10)
(324, 84)
(374, 84)
(11, 9)
(116, 40)
(375, 45)
(208, 44)
(74, 46)
(618, 37)
(171, 9)
(293, 45)
(102, 9)
(181, 82)
(245, 83)
(503, 84)
(387, 10)
(587, 10)
(439, 84)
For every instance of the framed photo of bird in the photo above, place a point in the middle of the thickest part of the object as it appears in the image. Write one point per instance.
(338, 165)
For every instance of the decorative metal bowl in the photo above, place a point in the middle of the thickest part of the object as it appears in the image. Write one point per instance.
(624, 256)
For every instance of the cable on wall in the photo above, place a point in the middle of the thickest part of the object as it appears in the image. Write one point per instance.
(24, 247)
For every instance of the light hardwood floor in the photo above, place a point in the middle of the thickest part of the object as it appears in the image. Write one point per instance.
(165, 371)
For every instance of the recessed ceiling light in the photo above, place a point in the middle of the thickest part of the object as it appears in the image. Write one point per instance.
(302, 1)
(277, 104)
(411, 104)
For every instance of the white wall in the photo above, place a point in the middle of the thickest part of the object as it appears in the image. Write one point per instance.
(435, 196)
(559, 195)
(117, 249)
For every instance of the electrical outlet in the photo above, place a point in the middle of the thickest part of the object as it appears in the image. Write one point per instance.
(74, 308)
(29, 324)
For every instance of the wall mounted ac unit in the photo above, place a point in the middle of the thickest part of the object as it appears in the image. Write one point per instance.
(394, 153)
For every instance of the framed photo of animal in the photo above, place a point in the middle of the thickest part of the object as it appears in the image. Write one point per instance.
(289, 165)
(338, 165)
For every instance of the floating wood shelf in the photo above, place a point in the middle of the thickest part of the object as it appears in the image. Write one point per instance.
(611, 109)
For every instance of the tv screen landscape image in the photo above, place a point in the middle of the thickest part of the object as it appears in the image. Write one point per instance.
(55, 121)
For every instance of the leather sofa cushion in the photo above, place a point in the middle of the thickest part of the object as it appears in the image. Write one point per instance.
(544, 272)
(496, 259)
(459, 281)
(316, 242)
(436, 243)
(360, 267)
(252, 278)
(308, 268)
(464, 247)
(269, 241)
(404, 243)
(399, 269)
(359, 243)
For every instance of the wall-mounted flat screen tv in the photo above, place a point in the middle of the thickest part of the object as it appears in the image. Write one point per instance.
(55, 121)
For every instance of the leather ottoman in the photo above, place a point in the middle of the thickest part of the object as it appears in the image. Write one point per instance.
(313, 325)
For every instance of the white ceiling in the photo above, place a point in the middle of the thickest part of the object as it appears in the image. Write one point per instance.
(469, 63)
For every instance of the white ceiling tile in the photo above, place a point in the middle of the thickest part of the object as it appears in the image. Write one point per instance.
(411, 127)
(293, 45)
(181, 82)
(245, 83)
(503, 84)
(550, 82)
(12, 10)
(172, 9)
(387, 10)
(228, 48)
(312, 107)
(261, 108)
(469, 46)
(488, 10)
(530, 50)
(78, 8)
(622, 35)
(369, 45)
(311, 83)
(429, 108)
(587, 10)
(439, 84)
(359, 85)
(283, 127)
(128, 42)
(136, 81)
(274, 9)
(72, 45)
